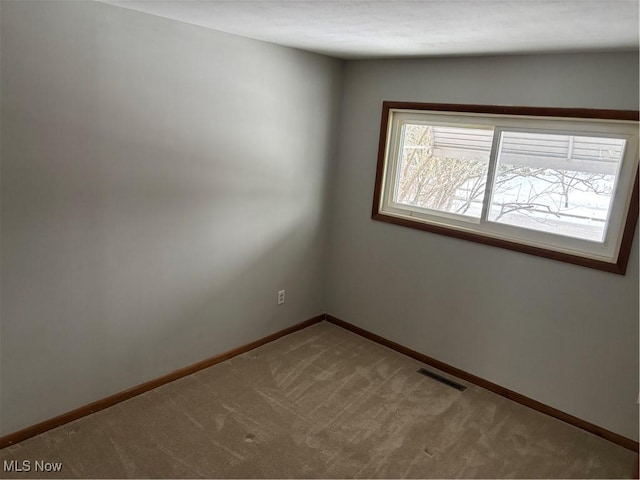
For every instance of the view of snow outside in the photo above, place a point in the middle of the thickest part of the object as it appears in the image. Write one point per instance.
(546, 182)
(450, 181)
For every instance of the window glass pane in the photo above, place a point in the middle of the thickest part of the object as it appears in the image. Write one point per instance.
(562, 184)
(443, 168)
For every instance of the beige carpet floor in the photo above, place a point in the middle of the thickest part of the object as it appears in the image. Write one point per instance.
(320, 403)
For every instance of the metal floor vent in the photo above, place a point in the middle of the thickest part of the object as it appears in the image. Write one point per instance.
(442, 379)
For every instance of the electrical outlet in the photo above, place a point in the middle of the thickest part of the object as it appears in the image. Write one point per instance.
(280, 297)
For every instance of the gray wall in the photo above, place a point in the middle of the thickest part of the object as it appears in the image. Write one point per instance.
(561, 334)
(160, 183)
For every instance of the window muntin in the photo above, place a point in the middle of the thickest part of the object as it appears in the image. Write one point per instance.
(592, 161)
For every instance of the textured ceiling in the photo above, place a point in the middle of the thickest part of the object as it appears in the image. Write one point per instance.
(377, 29)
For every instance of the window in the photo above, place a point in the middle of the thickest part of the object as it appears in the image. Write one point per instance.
(558, 183)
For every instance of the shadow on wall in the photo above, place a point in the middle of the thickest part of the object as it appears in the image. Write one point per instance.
(153, 261)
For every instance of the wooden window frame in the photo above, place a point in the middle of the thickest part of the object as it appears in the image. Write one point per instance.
(618, 266)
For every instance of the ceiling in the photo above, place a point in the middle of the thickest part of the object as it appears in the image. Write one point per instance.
(400, 28)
